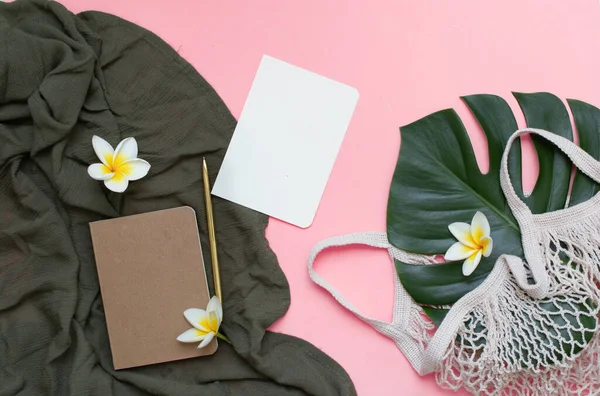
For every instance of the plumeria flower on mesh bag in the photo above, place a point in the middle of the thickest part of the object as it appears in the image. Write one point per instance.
(118, 166)
(474, 242)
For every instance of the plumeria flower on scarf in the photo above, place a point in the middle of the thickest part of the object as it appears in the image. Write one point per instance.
(119, 166)
(474, 241)
(206, 324)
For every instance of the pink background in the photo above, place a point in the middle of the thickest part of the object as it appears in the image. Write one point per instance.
(407, 59)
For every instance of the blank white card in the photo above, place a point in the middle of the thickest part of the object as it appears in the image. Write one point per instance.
(286, 142)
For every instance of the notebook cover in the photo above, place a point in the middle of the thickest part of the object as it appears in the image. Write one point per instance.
(151, 269)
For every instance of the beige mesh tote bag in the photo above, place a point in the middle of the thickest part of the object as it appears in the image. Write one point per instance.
(531, 327)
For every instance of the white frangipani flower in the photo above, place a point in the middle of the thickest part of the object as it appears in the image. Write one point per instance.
(474, 241)
(206, 323)
(118, 166)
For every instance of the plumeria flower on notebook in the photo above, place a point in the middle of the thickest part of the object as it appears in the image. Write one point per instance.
(206, 324)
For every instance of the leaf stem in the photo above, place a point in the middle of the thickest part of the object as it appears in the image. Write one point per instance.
(224, 338)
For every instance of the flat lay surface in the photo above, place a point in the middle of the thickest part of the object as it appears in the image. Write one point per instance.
(99, 74)
(406, 59)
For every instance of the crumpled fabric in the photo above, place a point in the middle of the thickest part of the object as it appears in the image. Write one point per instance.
(63, 79)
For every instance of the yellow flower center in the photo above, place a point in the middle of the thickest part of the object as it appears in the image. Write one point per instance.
(209, 322)
(118, 166)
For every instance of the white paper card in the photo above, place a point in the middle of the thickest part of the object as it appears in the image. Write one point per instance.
(286, 142)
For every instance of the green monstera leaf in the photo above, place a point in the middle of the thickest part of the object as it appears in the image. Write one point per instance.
(437, 181)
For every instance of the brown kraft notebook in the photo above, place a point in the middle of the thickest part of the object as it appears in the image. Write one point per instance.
(151, 269)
